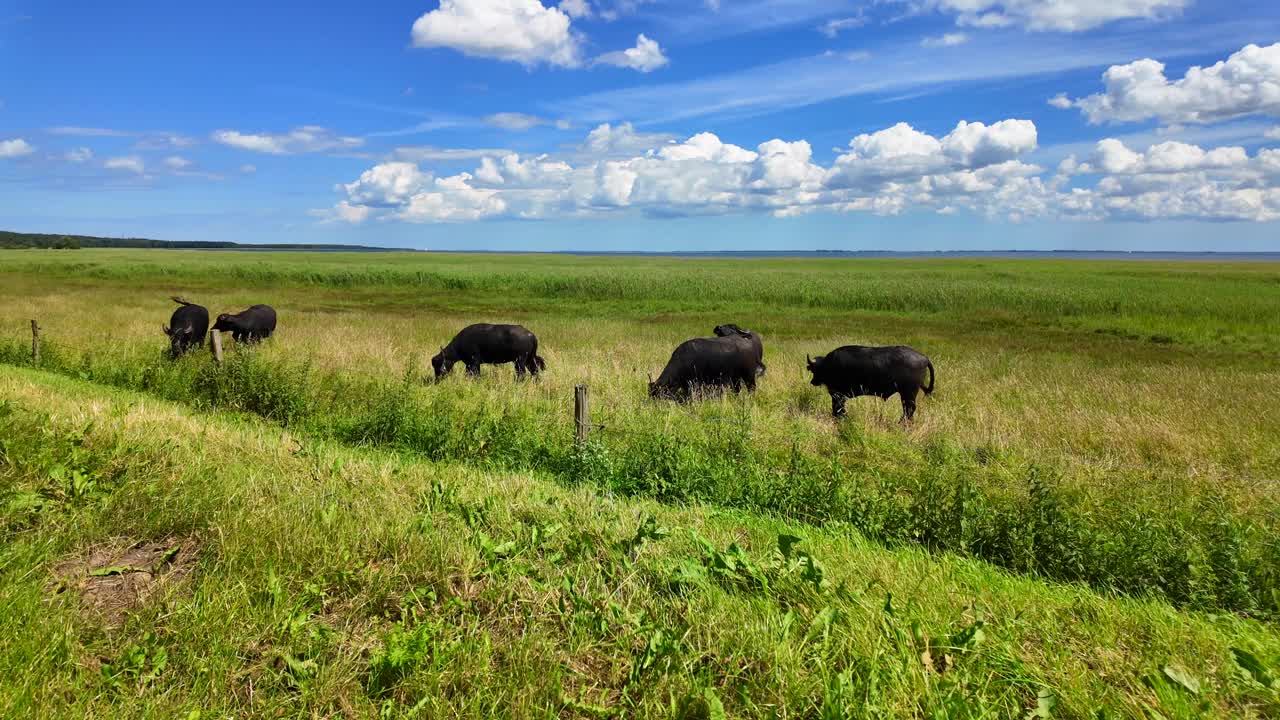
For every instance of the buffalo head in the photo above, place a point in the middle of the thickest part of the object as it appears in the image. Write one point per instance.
(730, 329)
(814, 366)
(179, 341)
(441, 364)
(223, 322)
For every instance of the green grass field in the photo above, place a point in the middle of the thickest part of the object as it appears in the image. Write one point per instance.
(1082, 521)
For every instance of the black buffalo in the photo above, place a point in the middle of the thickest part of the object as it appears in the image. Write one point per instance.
(855, 370)
(757, 343)
(486, 344)
(707, 362)
(256, 323)
(187, 327)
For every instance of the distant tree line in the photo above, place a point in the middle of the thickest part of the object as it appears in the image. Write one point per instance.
(47, 241)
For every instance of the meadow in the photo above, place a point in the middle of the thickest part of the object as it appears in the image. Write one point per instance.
(1082, 519)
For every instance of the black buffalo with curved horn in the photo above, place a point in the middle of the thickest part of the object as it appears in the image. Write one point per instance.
(487, 344)
(707, 362)
(856, 370)
(757, 343)
(256, 323)
(187, 327)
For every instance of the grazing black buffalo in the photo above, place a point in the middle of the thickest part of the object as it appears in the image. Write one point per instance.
(731, 330)
(855, 370)
(485, 344)
(707, 362)
(187, 327)
(256, 323)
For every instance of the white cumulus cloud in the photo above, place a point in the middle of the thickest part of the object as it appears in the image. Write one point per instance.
(1246, 83)
(452, 199)
(1173, 180)
(387, 184)
(177, 162)
(622, 140)
(976, 144)
(646, 56)
(305, 139)
(17, 147)
(523, 31)
(976, 167)
(575, 8)
(510, 170)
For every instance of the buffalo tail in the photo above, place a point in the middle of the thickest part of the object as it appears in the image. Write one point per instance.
(542, 364)
(929, 390)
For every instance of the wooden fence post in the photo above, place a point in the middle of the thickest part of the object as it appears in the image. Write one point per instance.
(581, 414)
(215, 344)
(35, 343)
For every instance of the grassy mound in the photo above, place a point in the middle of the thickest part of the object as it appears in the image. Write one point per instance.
(337, 580)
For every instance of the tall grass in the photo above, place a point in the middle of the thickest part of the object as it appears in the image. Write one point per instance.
(1105, 423)
(1187, 545)
(1199, 304)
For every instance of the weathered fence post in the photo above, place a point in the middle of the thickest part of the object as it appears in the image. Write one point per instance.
(215, 344)
(35, 343)
(581, 414)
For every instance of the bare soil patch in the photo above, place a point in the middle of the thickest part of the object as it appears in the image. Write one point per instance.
(118, 577)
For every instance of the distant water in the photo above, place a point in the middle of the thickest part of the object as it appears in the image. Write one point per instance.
(1047, 254)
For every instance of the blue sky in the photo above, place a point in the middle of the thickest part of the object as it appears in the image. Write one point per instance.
(647, 124)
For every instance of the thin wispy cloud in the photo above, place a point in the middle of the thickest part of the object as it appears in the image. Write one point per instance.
(945, 40)
(751, 16)
(75, 131)
(835, 26)
(428, 153)
(304, 139)
(896, 69)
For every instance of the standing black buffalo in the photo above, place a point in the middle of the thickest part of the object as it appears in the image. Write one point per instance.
(855, 370)
(187, 327)
(487, 344)
(730, 330)
(256, 323)
(707, 362)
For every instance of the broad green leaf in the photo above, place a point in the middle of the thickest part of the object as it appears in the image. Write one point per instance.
(715, 708)
(1252, 665)
(1183, 678)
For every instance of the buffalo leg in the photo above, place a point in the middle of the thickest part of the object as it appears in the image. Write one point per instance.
(473, 368)
(837, 405)
(750, 381)
(908, 404)
(519, 369)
